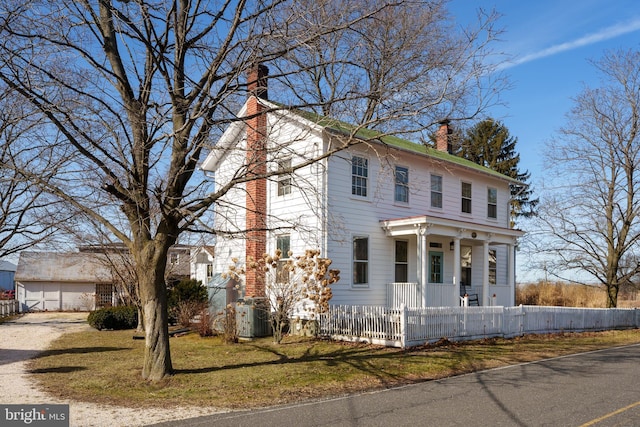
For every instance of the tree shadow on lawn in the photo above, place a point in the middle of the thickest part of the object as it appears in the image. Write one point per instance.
(57, 370)
(14, 355)
(79, 350)
(363, 358)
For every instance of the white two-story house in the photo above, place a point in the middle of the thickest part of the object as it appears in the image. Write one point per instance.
(402, 222)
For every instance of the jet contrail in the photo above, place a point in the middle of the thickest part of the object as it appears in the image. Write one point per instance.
(604, 34)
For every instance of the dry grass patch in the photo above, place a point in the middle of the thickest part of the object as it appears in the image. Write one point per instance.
(105, 366)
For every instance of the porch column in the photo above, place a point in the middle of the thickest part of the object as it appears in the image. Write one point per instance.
(486, 298)
(456, 271)
(424, 265)
(511, 273)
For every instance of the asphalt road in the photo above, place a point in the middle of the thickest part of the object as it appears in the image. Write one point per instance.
(599, 388)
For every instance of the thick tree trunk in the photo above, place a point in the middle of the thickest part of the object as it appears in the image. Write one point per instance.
(612, 295)
(153, 294)
(140, 327)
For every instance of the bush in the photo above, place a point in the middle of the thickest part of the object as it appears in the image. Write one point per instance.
(185, 300)
(120, 317)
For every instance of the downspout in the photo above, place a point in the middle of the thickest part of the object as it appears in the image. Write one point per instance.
(425, 264)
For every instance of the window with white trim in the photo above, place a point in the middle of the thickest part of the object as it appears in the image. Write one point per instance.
(402, 184)
(283, 244)
(402, 261)
(284, 179)
(360, 261)
(466, 197)
(492, 203)
(359, 176)
(436, 191)
(435, 267)
(174, 258)
(493, 267)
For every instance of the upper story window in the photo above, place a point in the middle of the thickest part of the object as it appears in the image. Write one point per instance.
(284, 180)
(360, 261)
(174, 258)
(492, 202)
(466, 197)
(359, 176)
(402, 184)
(436, 191)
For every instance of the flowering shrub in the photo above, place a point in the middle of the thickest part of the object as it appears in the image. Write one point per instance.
(302, 282)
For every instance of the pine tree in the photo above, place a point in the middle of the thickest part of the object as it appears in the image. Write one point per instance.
(489, 144)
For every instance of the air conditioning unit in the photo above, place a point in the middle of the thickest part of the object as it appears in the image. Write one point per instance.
(253, 318)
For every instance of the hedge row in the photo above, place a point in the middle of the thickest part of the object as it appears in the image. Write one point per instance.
(120, 317)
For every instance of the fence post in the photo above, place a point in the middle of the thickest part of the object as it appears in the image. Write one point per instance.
(403, 326)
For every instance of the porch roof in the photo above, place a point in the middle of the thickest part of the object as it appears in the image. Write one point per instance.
(450, 228)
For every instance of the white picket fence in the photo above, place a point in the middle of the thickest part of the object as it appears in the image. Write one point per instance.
(407, 327)
(8, 307)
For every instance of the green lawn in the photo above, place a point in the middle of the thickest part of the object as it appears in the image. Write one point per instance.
(105, 366)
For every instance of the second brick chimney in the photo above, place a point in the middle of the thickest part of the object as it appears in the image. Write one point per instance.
(443, 141)
(256, 197)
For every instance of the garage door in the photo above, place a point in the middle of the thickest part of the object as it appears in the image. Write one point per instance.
(55, 296)
(40, 296)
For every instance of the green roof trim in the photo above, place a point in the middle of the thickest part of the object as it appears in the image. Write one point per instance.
(367, 134)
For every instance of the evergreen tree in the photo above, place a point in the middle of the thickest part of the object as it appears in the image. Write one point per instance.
(489, 144)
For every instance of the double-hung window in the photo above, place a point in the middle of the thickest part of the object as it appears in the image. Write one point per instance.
(436, 191)
(283, 244)
(359, 176)
(402, 261)
(466, 197)
(493, 267)
(402, 184)
(284, 179)
(360, 261)
(492, 203)
(435, 267)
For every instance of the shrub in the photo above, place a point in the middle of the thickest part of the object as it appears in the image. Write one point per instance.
(186, 311)
(185, 300)
(205, 326)
(120, 317)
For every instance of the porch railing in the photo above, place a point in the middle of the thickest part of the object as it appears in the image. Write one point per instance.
(406, 327)
(408, 294)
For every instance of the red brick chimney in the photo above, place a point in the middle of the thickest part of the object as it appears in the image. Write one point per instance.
(443, 142)
(256, 198)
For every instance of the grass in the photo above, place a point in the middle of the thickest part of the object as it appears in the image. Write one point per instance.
(105, 366)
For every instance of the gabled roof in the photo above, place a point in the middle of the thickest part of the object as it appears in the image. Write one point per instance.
(392, 141)
(62, 267)
(231, 136)
(7, 266)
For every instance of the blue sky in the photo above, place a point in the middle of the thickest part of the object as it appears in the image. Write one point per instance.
(551, 42)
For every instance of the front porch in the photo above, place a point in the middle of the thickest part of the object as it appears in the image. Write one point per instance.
(410, 294)
(449, 258)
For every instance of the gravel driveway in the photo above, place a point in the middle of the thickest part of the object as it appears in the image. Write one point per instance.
(23, 338)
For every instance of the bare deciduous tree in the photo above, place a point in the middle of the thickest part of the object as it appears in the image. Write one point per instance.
(591, 208)
(138, 90)
(26, 217)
